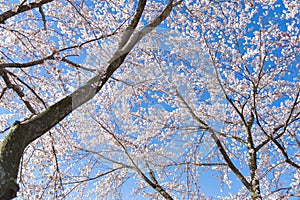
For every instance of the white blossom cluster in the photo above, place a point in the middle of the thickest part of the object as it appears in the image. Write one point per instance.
(213, 90)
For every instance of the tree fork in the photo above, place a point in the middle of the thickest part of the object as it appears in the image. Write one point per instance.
(22, 134)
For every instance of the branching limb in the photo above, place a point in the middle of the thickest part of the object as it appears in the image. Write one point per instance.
(153, 182)
(289, 120)
(17, 89)
(21, 8)
(133, 24)
(218, 143)
(21, 135)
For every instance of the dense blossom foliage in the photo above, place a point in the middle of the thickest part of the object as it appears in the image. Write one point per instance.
(214, 89)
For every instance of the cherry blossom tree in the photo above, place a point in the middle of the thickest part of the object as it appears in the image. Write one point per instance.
(124, 99)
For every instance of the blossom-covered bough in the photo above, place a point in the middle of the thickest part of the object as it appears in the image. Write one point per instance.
(123, 99)
(22, 134)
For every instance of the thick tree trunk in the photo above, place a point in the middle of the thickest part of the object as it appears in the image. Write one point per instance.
(22, 134)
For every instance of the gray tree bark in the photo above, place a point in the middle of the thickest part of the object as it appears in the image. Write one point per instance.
(22, 134)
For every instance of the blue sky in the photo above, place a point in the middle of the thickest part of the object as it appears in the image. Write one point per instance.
(209, 184)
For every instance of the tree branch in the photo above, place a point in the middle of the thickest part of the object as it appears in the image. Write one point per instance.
(23, 134)
(21, 8)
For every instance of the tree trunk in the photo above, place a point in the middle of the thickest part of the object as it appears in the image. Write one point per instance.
(22, 134)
